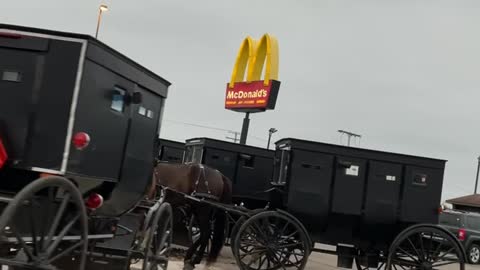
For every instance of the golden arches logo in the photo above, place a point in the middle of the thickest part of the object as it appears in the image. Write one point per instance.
(254, 55)
(246, 91)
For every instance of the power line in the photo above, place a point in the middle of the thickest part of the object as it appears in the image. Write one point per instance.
(234, 139)
(197, 125)
(213, 128)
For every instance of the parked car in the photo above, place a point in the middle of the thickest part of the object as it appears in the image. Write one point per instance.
(466, 226)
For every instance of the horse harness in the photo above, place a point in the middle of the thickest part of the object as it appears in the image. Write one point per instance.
(203, 195)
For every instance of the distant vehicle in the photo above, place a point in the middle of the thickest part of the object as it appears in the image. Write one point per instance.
(466, 226)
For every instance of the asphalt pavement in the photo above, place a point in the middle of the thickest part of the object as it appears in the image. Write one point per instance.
(316, 261)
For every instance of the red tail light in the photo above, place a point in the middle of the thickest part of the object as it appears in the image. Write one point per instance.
(462, 234)
(81, 140)
(94, 201)
(3, 154)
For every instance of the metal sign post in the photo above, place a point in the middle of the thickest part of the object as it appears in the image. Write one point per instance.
(246, 124)
(476, 180)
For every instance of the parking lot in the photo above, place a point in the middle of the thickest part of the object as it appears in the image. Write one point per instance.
(316, 261)
(227, 262)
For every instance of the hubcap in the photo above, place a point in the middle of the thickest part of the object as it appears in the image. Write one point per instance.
(426, 266)
(474, 254)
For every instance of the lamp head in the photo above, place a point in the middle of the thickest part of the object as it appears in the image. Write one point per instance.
(103, 8)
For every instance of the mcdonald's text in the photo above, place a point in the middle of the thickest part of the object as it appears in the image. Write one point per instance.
(251, 96)
(262, 93)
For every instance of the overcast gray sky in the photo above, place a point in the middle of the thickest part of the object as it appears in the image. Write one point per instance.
(405, 74)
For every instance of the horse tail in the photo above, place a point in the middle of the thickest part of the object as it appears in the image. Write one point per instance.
(218, 238)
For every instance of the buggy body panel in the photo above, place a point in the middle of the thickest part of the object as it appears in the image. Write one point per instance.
(250, 168)
(356, 196)
(54, 85)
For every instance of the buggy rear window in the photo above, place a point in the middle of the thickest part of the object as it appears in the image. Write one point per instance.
(118, 99)
(283, 168)
(193, 154)
(420, 179)
(248, 161)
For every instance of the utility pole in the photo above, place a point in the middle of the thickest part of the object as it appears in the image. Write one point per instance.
(234, 139)
(476, 180)
(270, 132)
(350, 135)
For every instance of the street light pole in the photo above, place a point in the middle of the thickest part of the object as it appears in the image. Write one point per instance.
(476, 180)
(101, 9)
(270, 132)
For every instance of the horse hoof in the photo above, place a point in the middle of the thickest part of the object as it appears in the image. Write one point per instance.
(188, 267)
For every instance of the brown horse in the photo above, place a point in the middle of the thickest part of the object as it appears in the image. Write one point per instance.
(201, 182)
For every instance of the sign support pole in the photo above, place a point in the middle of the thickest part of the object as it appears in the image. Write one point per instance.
(476, 180)
(246, 123)
(246, 91)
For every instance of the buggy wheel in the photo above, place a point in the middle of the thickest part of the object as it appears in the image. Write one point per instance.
(270, 240)
(45, 226)
(159, 239)
(233, 233)
(425, 247)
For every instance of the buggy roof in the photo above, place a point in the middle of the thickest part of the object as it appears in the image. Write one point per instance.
(362, 152)
(89, 39)
(171, 143)
(230, 146)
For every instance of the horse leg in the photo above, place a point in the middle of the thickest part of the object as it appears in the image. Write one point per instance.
(187, 261)
(204, 224)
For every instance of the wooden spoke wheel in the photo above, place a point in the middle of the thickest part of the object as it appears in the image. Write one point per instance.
(45, 226)
(271, 240)
(425, 247)
(237, 225)
(159, 239)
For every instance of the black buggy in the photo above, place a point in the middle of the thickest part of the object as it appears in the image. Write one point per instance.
(249, 168)
(378, 209)
(170, 151)
(79, 123)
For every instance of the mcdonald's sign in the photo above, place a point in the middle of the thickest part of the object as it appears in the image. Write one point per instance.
(252, 94)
